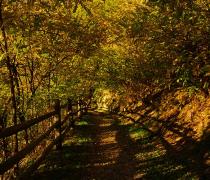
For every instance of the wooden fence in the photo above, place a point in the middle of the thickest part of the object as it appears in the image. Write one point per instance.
(61, 126)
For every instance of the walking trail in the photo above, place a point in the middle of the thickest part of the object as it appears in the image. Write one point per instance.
(103, 147)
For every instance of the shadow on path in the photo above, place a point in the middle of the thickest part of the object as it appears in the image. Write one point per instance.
(104, 147)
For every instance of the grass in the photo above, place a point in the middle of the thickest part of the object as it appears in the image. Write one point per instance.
(137, 133)
(82, 123)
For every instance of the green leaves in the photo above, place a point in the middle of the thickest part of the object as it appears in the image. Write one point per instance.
(206, 70)
(45, 55)
(37, 22)
(161, 38)
(122, 45)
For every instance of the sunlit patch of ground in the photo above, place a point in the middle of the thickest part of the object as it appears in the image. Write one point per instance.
(106, 148)
(104, 164)
(77, 140)
(106, 123)
(108, 138)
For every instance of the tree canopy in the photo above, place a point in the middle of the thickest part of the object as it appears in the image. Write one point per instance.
(60, 49)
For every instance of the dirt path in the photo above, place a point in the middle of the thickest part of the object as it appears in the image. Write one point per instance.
(114, 159)
(103, 147)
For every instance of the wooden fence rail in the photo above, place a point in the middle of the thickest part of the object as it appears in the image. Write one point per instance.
(23, 126)
(71, 115)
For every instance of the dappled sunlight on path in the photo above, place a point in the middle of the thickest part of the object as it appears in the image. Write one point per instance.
(105, 147)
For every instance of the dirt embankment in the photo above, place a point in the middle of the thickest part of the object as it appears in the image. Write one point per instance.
(181, 118)
(187, 111)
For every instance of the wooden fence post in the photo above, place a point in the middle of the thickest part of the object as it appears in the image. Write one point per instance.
(86, 107)
(70, 110)
(79, 114)
(59, 127)
(16, 167)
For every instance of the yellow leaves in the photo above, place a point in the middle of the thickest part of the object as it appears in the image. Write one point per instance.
(2, 56)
